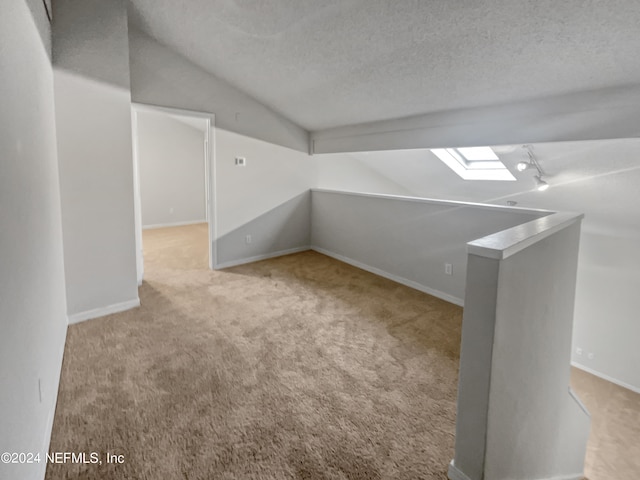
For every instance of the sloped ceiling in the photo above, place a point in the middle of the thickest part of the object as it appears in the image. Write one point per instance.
(340, 62)
(599, 178)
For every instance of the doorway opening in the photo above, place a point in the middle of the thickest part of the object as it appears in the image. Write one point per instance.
(174, 187)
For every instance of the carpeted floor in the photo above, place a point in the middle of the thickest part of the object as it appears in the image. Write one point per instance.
(613, 452)
(297, 367)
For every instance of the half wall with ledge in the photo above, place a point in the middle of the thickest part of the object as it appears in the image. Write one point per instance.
(518, 419)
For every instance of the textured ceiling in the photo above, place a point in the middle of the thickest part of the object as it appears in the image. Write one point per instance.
(338, 62)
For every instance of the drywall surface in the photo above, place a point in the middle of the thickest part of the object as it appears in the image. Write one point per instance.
(272, 176)
(606, 317)
(172, 170)
(184, 85)
(96, 183)
(284, 229)
(95, 157)
(475, 365)
(33, 313)
(346, 172)
(408, 239)
(90, 38)
(535, 427)
(517, 419)
(597, 114)
(268, 198)
(41, 20)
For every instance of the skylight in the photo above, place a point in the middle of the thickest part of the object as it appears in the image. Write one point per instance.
(474, 154)
(474, 163)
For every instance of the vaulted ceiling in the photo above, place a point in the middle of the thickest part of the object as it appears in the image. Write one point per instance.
(339, 62)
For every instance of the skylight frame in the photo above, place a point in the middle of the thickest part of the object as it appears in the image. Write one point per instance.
(473, 169)
(477, 154)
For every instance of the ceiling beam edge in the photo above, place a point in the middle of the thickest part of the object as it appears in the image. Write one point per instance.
(596, 115)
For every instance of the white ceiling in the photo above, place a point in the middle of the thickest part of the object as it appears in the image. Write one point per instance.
(338, 62)
(599, 178)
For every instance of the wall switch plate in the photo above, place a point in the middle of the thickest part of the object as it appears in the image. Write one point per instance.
(578, 351)
(241, 161)
(247, 239)
(448, 269)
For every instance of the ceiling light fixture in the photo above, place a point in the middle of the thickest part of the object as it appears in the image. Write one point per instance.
(541, 185)
(522, 166)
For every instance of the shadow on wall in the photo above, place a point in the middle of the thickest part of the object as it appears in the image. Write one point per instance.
(284, 229)
(406, 239)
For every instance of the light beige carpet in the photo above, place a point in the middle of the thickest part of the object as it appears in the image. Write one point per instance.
(298, 367)
(613, 452)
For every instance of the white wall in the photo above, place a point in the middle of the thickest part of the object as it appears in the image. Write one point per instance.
(535, 427)
(267, 199)
(185, 85)
(606, 316)
(95, 156)
(172, 170)
(409, 240)
(33, 319)
(516, 417)
(272, 176)
(343, 171)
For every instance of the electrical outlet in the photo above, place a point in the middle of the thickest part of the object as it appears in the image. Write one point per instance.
(241, 161)
(247, 239)
(448, 269)
(578, 351)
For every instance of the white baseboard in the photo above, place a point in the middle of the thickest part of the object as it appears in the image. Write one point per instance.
(355, 263)
(455, 474)
(409, 283)
(101, 312)
(257, 258)
(606, 377)
(174, 224)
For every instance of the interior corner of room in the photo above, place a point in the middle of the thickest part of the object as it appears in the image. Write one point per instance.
(116, 131)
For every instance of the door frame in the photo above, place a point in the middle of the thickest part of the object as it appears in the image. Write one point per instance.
(209, 173)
